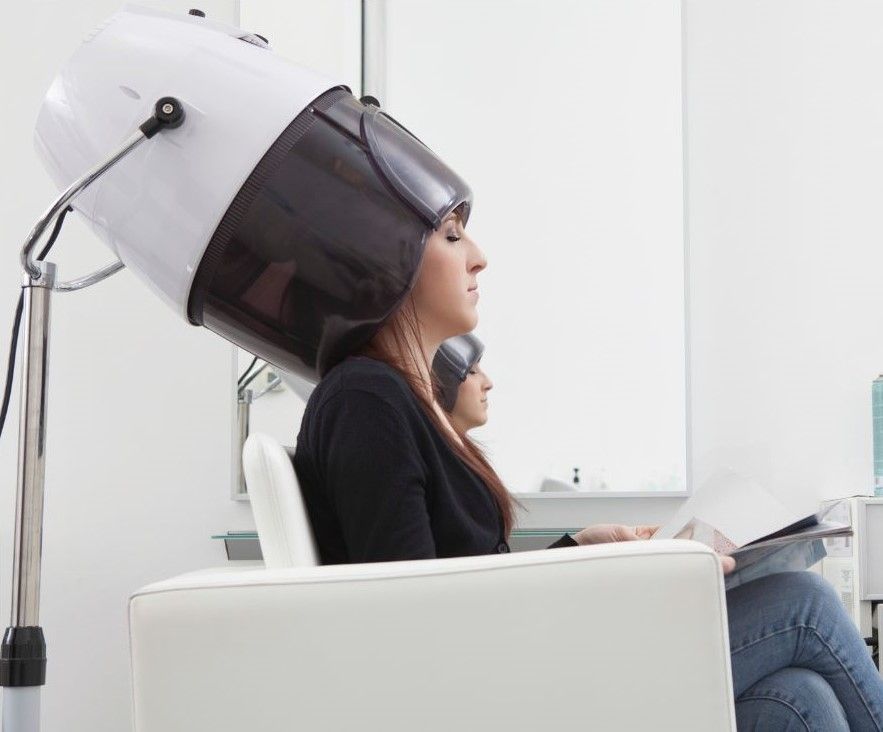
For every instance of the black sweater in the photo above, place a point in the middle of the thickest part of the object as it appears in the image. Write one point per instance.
(380, 483)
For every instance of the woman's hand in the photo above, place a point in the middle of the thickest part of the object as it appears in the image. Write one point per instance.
(604, 533)
(728, 564)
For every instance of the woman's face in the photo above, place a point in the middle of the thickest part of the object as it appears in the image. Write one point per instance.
(445, 295)
(470, 410)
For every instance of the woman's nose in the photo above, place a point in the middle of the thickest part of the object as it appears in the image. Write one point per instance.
(477, 260)
(488, 385)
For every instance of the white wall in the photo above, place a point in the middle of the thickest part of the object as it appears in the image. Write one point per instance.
(784, 158)
(785, 145)
(139, 410)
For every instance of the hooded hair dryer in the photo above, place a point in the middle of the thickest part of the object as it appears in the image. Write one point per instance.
(284, 214)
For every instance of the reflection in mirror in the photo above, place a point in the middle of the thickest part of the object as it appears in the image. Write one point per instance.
(263, 404)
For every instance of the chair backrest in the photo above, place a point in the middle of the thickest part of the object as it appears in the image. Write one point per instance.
(284, 529)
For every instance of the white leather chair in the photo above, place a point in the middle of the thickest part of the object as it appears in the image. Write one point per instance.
(628, 636)
(280, 516)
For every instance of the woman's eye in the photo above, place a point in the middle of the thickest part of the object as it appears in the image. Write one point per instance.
(473, 373)
(452, 238)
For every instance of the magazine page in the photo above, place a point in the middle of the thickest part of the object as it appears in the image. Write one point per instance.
(737, 507)
(822, 530)
(804, 523)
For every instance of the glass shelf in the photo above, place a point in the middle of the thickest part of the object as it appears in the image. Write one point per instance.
(244, 544)
(253, 535)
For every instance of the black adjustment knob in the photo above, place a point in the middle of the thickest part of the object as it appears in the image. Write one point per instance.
(368, 99)
(196, 12)
(170, 112)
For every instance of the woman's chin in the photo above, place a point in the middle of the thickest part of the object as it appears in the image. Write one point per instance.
(461, 327)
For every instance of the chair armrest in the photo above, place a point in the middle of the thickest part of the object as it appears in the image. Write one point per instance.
(631, 634)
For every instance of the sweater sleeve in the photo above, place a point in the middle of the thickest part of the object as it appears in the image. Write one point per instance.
(376, 479)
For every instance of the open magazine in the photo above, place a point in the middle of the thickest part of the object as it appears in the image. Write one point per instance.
(736, 516)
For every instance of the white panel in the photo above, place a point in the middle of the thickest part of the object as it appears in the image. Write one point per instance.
(324, 36)
(566, 119)
(872, 558)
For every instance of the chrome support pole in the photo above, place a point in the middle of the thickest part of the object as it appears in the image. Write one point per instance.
(23, 650)
(31, 449)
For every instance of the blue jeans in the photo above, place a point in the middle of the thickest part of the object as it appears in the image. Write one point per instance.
(798, 660)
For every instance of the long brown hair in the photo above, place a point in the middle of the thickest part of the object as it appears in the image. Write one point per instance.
(400, 346)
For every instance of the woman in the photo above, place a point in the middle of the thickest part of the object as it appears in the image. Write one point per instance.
(386, 477)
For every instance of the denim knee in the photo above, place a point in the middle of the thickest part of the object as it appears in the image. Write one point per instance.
(812, 581)
(790, 700)
(813, 590)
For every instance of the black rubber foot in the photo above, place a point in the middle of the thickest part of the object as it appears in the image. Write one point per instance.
(23, 657)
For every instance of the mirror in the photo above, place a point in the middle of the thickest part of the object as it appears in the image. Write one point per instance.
(571, 135)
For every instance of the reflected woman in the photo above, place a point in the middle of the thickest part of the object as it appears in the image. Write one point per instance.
(462, 384)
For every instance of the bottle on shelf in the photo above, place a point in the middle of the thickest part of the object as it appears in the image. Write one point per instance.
(877, 416)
